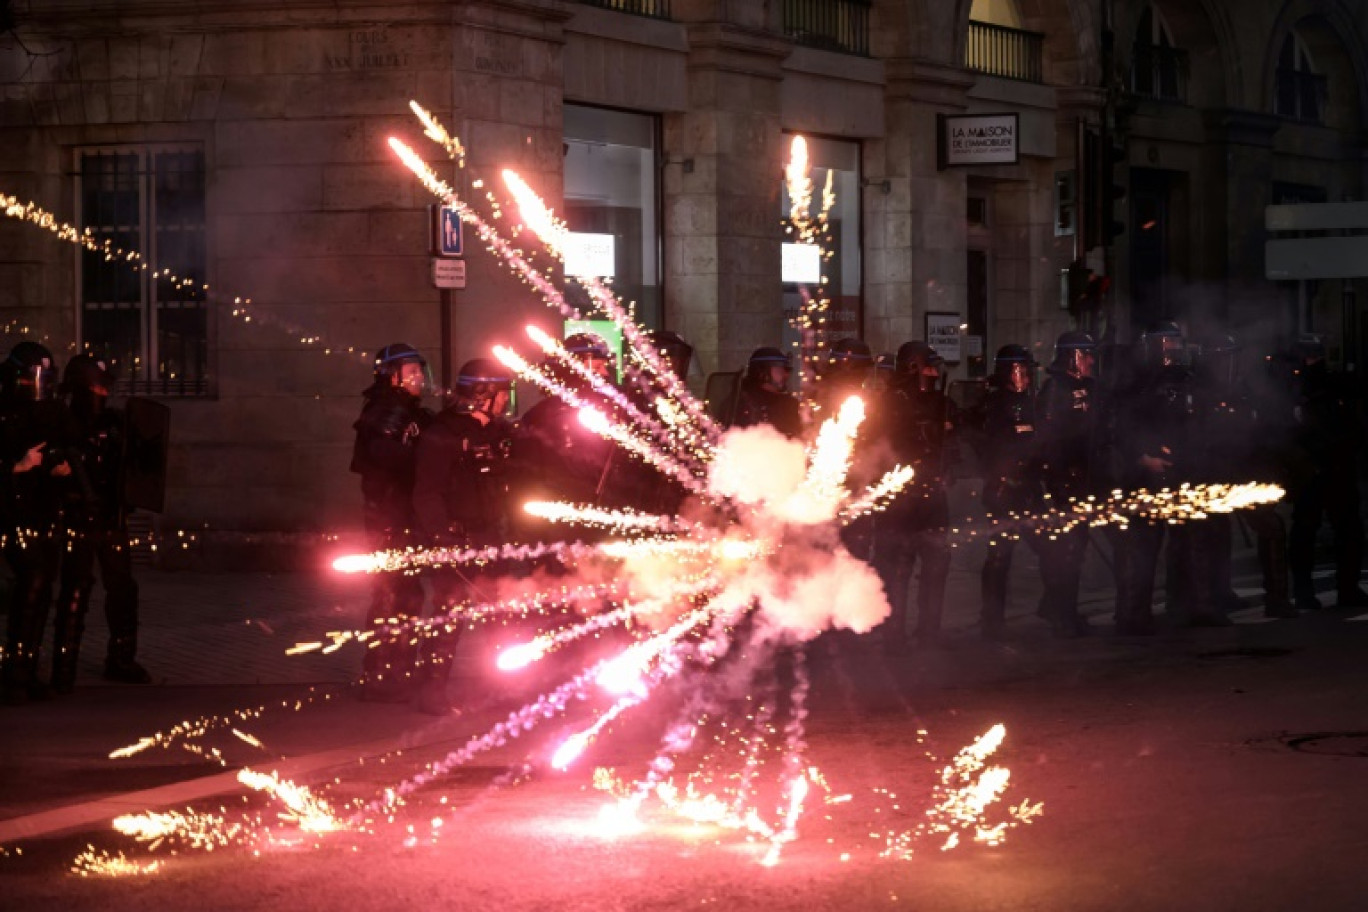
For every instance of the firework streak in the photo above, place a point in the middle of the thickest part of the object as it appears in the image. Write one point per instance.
(715, 608)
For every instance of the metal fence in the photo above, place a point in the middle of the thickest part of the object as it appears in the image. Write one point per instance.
(1007, 52)
(655, 9)
(832, 25)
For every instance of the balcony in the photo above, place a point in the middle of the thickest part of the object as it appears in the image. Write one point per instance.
(830, 25)
(1159, 73)
(1009, 53)
(654, 9)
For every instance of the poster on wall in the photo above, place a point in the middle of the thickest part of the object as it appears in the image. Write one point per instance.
(943, 334)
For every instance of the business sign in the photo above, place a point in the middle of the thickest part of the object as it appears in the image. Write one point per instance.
(446, 240)
(800, 264)
(979, 139)
(943, 334)
(448, 273)
(589, 255)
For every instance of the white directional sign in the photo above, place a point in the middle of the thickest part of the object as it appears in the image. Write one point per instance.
(448, 273)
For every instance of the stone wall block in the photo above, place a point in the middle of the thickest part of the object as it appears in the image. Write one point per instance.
(152, 101)
(267, 189)
(521, 102)
(234, 54)
(401, 232)
(180, 94)
(252, 98)
(290, 142)
(92, 59)
(183, 58)
(123, 102)
(433, 90)
(204, 99)
(382, 93)
(123, 58)
(368, 186)
(285, 235)
(324, 280)
(154, 55)
(70, 107)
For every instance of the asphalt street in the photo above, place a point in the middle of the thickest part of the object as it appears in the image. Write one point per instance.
(1198, 769)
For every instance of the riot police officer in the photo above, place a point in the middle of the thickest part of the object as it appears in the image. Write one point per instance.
(913, 419)
(96, 520)
(1011, 478)
(848, 367)
(560, 457)
(675, 349)
(1326, 437)
(36, 434)
(387, 433)
(1235, 442)
(765, 398)
(1157, 452)
(460, 499)
(1067, 416)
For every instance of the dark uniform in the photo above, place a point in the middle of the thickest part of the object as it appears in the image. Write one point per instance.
(96, 520)
(387, 433)
(1324, 480)
(1234, 443)
(558, 458)
(850, 364)
(765, 398)
(1011, 476)
(33, 533)
(460, 499)
(912, 419)
(1067, 416)
(1157, 451)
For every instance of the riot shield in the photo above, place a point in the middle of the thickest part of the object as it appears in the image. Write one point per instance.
(721, 392)
(146, 445)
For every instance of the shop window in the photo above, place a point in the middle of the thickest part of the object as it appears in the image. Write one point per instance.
(612, 204)
(803, 269)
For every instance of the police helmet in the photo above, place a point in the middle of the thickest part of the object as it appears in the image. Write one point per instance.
(389, 359)
(86, 373)
(762, 360)
(915, 356)
(1070, 351)
(1310, 347)
(587, 345)
(674, 349)
(1013, 360)
(1218, 358)
(1162, 346)
(28, 372)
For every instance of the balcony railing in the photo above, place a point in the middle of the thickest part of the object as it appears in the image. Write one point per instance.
(1301, 95)
(832, 25)
(1007, 52)
(1159, 72)
(655, 9)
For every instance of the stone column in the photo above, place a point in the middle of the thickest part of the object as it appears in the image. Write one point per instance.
(721, 186)
(916, 239)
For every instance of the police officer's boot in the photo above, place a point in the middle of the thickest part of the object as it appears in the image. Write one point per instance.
(993, 614)
(1272, 547)
(935, 567)
(68, 624)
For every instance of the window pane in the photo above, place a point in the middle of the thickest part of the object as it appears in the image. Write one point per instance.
(611, 197)
(842, 269)
(156, 331)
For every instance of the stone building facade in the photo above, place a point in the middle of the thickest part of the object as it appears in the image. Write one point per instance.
(244, 142)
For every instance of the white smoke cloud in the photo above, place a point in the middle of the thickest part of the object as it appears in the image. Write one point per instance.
(757, 466)
(807, 581)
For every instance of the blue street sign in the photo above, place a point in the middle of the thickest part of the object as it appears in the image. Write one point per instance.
(447, 232)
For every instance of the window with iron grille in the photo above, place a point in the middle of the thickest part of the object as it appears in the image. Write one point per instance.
(155, 331)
